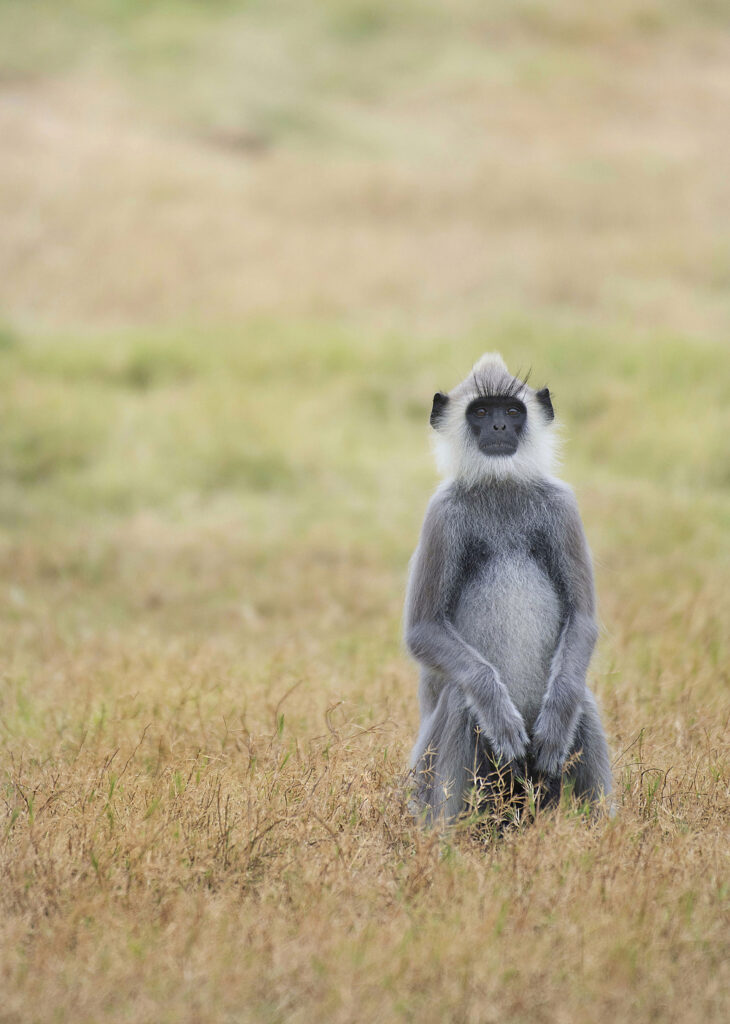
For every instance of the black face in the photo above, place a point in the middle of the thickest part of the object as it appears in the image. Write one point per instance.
(497, 424)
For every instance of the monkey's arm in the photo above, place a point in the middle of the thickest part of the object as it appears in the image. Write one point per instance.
(434, 641)
(556, 724)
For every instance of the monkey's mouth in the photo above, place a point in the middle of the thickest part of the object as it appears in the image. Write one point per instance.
(498, 448)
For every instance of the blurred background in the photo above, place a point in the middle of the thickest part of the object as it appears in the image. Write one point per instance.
(420, 165)
(357, 197)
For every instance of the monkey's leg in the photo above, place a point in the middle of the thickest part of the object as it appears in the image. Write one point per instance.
(425, 757)
(430, 689)
(446, 755)
(592, 770)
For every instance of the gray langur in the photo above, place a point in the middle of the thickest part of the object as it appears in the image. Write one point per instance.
(500, 608)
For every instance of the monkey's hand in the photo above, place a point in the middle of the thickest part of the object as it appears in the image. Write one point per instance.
(552, 737)
(503, 725)
(443, 648)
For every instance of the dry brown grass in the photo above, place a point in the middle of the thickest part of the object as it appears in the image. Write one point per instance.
(205, 711)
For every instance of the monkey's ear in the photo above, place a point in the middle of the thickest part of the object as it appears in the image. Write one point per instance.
(440, 401)
(543, 397)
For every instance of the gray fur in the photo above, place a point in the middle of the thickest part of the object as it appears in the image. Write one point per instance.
(500, 614)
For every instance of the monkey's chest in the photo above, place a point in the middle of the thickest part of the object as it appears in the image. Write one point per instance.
(509, 610)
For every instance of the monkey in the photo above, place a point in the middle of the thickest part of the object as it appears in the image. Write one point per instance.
(500, 610)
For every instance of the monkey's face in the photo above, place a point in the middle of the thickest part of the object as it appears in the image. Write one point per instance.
(496, 424)
(493, 426)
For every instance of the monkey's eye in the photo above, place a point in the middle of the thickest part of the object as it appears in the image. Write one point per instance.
(481, 411)
(513, 412)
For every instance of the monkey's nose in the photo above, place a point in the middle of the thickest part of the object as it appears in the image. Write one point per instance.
(496, 426)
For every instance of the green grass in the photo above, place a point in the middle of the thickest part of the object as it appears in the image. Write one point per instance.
(133, 420)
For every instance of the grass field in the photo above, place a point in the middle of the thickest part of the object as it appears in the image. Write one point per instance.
(242, 246)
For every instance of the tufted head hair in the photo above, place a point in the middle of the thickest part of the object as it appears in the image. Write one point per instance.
(457, 454)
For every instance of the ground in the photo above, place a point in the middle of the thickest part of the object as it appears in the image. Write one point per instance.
(242, 246)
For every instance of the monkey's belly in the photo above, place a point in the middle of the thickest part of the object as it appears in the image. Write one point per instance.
(510, 612)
